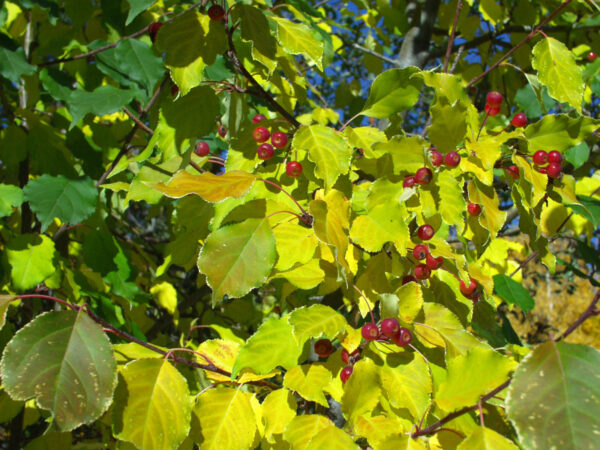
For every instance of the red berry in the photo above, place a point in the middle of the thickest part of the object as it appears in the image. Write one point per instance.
(540, 158)
(425, 232)
(434, 263)
(153, 30)
(293, 169)
(468, 290)
(423, 175)
(543, 170)
(555, 157)
(345, 373)
(436, 158)
(174, 90)
(408, 279)
(216, 13)
(409, 181)
(258, 118)
(513, 171)
(591, 56)
(474, 209)
(202, 149)
(403, 337)
(494, 99)
(265, 151)
(420, 251)
(519, 120)
(452, 159)
(422, 272)
(369, 331)
(492, 110)
(350, 357)
(222, 131)
(554, 169)
(390, 326)
(323, 347)
(261, 134)
(279, 139)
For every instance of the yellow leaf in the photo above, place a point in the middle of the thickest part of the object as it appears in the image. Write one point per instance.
(227, 419)
(165, 295)
(278, 410)
(313, 431)
(212, 188)
(295, 245)
(309, 382)
(491, 218)
(377, 428)
(305, 276)
(362, 390)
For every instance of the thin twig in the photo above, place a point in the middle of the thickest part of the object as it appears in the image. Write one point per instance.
(589, 312)
(452, 34)
(138, 122)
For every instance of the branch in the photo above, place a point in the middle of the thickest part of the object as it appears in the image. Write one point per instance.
(452, 34)
(130, 135)
(138, 122)
(589, 312)
(374, 53)
(527, 38)
(261, 92)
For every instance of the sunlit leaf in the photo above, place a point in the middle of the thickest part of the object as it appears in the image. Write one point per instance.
(393, 91)
(31, 260)
(309, 381)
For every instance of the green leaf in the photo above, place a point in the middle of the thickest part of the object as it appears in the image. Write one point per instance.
(101, 101)
(272, 345)
(327, 149)
(559, 132)
(189, 120)
(157, 409)
(588, 207)
(554, 398)
(237, 258)
(578, 155)
(65, 361)
(558, 70)
(512, 292)
(528, 99)
(452, 200)
(226, 419)
(486, 439)
(362, 390)
(407, 384)
(384, 223)
(13, 65)
(309, 381)
(448, 126)
(316, 321)
(137, 60)
(71, 201)
(464, 385)
(298, 39)
(191, 36)
(136, 7)
(408, 153)
(315, 432)
(30, 258)
(255, 28)
(10, 197)
(393, 91)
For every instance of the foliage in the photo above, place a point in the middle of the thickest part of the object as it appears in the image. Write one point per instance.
(157, 297)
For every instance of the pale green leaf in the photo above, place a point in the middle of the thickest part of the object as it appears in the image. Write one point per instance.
(464, 385)
(486, 439)
(65, 361)
(384, 223)
(296, 244)
(327, 149)
(309, 381)
(10, 197)
(362, 390)
(157, 409)
(30, 258)
(448, 126)
(5, 300)
(452, 200)
(278, 410)
(298, 39)
(393, 91)
(316, 321)
(558, 70)
(559, 132)
(272, 345)
(237, 258)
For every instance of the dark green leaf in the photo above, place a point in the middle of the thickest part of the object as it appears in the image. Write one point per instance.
(65, 361)
(103, 100)
(255, 28)
(589, 208)
(72, 201)
(57, 83)
(137, 60)
(13, 64)
(136, 7)
(512, 292)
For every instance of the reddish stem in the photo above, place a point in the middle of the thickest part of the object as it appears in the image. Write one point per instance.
(304, 213)
(48, 297)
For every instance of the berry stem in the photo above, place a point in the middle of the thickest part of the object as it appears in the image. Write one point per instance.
(47, 297)
(487, 114)
(304, 213)
(288, 212)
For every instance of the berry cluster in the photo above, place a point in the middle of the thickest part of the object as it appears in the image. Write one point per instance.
(266, 150)
(420, 252)
(493, 102)
(424, 175)
(553, 159)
